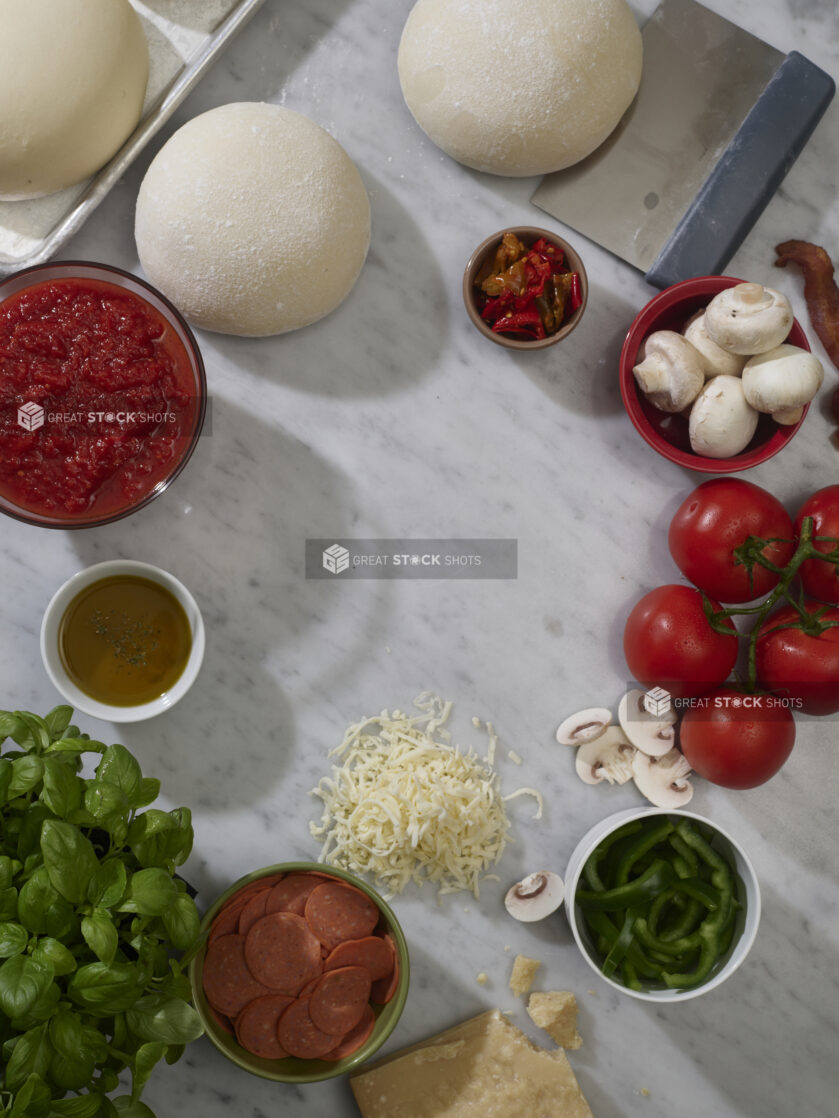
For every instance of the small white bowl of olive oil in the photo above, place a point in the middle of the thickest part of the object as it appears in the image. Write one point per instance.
(122, 640)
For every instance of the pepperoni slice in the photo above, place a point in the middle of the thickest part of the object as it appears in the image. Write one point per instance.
(256, 1026)
(307, 989)
(372, 952)
(254, 910)
(336, 912)
(228, 983)
(291, 894)
(355, 1038)
(299, 1035)
(384, 988)
(222, 1020)
(282, 952)
(227, 921)
(338, 1001)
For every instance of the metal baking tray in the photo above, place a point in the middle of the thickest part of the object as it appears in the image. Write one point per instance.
(185, 38)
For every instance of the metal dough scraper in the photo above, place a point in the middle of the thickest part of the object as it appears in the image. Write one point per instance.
(719, 119)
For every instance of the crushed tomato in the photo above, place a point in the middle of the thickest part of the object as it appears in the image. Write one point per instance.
(117, 391)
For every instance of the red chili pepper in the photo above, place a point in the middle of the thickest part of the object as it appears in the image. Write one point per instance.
(576, 292)
(528, 322)
(552, 253)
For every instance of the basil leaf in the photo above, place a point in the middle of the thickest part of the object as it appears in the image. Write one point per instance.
(126, 1107)
(57, 721)
(13, 939)
(145, 1058)
(10, 725)
(120, 768)
(29, 833)
(5, 778)
(26, 774)
(182, 922)
(48, 950)
(36, 896)
(150, 892)
(63, 791)
(22, 982)
(104, 990)
(33, 732)
(100, 935)
(148, 792)
(164, 1017)
(80, 1106)
(31, 1055)
(41, 1010)
(107, 886)
(104, 800)
(8, 903)
(74, 1062)
(75, 743)
(7, 871)
(174, 1053)
(69, 858)
(159, 838)
(32, 1100)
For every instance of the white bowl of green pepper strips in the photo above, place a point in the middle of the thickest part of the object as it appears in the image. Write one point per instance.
(664, 905)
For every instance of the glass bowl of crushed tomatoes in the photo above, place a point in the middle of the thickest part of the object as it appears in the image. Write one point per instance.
(525, 288)
(102, 394)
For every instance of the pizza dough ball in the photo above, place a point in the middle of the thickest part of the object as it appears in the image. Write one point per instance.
(72, 81)
(253, 220)
(519, 88)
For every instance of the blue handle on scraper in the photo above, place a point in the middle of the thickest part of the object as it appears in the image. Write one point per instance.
(748, 173)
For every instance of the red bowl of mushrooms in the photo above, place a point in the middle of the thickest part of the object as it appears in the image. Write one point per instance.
(694, 412)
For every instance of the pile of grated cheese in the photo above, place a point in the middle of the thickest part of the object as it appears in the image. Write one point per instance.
(405, 805)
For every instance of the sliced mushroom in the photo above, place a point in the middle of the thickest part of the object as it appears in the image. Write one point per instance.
(663, 780)
(722, 421)
(584, 726)
(786, 377)
(608, 757)
(716, 360)
(535, 896)
(653, 734)
(670, 372)
(748, 318)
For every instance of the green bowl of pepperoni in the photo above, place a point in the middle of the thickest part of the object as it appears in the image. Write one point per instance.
(303, 974)
(664, 905)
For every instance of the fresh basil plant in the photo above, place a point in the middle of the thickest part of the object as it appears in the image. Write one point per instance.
(95, 926)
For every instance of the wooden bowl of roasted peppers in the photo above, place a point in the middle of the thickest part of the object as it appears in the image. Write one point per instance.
(525, 288)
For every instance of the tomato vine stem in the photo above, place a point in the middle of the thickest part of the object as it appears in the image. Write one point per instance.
(751, 552)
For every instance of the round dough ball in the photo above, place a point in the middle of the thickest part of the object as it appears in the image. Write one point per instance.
(519, 88)
(73, 77)
(253, 220)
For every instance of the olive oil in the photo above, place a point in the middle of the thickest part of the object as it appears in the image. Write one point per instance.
(124, 640)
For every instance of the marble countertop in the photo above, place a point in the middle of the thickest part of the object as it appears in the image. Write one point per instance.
(392, 418)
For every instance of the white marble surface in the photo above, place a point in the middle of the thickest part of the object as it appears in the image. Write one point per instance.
(393, 418)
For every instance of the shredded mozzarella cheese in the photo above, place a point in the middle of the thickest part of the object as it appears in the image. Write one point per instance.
(405, 805)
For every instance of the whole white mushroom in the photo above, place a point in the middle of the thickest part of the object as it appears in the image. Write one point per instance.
(722, 421)
(782, 381)
(716, 360)
(670, 372)
(748, 318)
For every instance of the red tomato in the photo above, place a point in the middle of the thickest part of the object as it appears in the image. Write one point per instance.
(735, 739)
(715, 519)
(819, 578)
(802, 668)
(668, 642)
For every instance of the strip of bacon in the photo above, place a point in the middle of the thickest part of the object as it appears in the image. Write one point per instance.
(820, 290)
